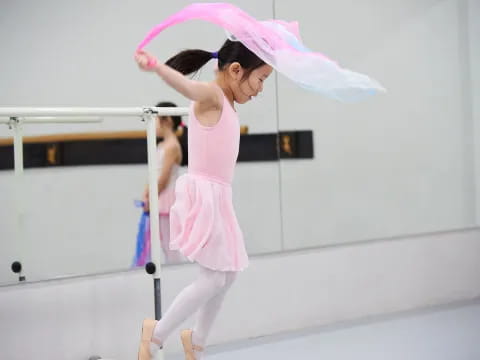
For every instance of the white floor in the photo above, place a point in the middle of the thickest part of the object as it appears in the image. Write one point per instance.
(446, 334)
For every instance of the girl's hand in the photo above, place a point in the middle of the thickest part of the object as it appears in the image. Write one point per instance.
(145, 199)
(145, 61)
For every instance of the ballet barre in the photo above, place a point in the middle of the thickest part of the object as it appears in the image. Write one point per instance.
(17, 117)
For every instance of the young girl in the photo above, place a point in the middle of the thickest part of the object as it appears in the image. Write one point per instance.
(169, 155)
(203, 225)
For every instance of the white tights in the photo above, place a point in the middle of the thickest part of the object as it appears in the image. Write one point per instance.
(204, 295)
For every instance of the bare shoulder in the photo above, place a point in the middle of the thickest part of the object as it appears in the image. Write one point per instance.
(173, 150)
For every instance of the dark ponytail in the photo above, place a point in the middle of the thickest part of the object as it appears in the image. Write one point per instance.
(189, 61)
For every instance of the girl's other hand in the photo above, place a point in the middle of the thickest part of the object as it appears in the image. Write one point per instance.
(145, 61)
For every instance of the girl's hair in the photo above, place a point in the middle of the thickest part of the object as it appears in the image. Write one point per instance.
(190, 61)
(182, 137)
(177, 120)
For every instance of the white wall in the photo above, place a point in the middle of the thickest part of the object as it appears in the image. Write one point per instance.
(352, 190)
(474, 52)
(394, 165)
(401, 163)
(74, 319)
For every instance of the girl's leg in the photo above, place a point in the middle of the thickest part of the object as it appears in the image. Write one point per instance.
(208, 285)
(208, 313)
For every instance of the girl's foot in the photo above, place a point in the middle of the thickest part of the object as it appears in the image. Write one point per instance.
(188, 346)
(147, 348)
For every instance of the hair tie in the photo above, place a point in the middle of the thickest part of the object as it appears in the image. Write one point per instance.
(215, 55)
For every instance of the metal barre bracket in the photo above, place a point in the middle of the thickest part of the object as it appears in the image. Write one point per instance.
(13, 120)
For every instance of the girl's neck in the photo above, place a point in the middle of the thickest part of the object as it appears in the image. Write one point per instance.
(220, 81)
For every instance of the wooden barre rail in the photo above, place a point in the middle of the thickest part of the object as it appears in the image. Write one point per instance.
(87, 136)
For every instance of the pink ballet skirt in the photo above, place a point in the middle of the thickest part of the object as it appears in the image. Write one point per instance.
(203, 225)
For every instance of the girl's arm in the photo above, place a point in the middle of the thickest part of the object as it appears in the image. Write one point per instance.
(169, 160)
(194, 90)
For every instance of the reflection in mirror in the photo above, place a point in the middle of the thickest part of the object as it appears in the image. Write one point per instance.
(398, 164)
(81, 219)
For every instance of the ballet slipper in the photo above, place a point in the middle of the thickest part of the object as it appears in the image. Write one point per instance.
(188, 347)
(144, 351)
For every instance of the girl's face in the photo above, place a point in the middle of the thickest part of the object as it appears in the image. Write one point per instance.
(246, 89)
(163, 124)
